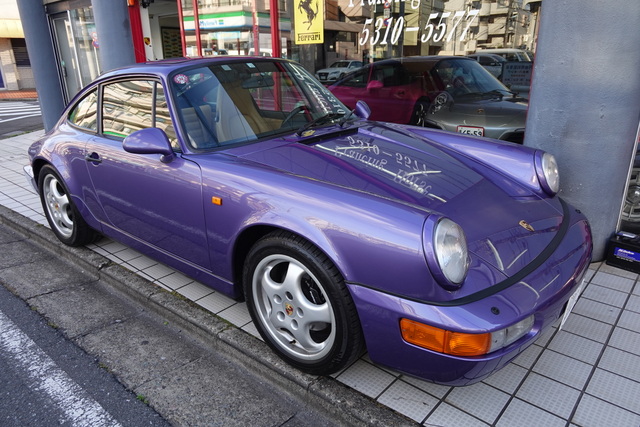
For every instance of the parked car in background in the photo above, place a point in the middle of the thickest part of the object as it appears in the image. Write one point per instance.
(450, 93)
(491, 62)
(337, 70)
(511, 55)
(443, 254)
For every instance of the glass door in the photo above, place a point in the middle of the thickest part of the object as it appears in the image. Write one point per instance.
(77, 48)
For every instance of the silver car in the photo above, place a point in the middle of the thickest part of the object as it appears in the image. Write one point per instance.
(337, 70)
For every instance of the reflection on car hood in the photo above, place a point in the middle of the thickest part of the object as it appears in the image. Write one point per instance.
(393, 164)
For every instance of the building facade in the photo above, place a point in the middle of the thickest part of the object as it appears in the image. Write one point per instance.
(15, 67)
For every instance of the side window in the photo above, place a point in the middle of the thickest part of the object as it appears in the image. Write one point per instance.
(85, 113)
(357, 78)
(130, 106)
(163, 118)
(392, 75)
(126, 107)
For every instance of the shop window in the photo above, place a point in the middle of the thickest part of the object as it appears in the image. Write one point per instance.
(85, 113)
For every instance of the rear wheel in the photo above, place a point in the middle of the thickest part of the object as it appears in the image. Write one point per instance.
(300, 304)
(61, 213)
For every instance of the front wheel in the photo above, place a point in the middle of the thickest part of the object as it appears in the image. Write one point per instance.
(420, 114)
(300, 304)
(62, 215)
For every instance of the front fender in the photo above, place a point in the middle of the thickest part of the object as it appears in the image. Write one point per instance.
(370, 240)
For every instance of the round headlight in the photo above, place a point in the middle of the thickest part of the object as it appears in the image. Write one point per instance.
(450, 250)
(550, 179)
(441, 101)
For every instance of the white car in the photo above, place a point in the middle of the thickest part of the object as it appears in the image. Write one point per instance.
(337, 70)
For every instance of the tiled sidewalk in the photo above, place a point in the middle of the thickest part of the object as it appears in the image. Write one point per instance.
(587, 374)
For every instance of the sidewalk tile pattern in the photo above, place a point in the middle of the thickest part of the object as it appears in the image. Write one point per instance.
(587, 374)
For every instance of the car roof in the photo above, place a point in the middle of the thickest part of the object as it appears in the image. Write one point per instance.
(488, 55)
(165, 67)
(423, 59)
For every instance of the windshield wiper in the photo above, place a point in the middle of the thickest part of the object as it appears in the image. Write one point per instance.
(317, 121)
(496, 92)
(346, 117)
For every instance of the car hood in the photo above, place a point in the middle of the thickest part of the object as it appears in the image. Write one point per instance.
(394, 163)
(506, 111)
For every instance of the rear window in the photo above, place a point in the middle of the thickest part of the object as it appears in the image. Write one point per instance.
(85, 113)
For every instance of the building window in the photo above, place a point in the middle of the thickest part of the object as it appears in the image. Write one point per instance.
(20, 52)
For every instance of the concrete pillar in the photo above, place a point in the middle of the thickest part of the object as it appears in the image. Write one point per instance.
(584, 103)
(114, 33)
(43, 60)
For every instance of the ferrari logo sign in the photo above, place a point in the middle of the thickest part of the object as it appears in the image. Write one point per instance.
(309, 20)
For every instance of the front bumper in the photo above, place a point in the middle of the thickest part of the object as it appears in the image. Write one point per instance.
(30, 177)
(543, 293)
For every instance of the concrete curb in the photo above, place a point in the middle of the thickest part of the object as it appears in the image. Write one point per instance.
(345, 405)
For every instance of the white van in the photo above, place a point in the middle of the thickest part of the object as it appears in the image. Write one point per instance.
(511, 55)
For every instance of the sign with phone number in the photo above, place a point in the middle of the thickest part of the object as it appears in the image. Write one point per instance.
(440, 26)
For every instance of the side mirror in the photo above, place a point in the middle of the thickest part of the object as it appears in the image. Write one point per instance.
(374, 84)
(362, 110)
(149, 141)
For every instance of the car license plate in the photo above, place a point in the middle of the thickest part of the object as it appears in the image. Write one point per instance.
(471, 130)
(572, 302)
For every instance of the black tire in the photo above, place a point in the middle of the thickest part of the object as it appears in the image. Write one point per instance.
(631, 207)
(420, 112)
(300, 305)
(63, 216)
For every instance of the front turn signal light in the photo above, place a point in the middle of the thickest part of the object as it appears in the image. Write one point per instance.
(461, 343)
(443, 341)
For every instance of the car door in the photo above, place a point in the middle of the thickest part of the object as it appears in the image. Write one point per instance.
(390, 95)
(141, 197)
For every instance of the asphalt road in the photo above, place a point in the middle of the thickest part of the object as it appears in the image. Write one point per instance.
(85, 322)
(47, 380)
(17, 117)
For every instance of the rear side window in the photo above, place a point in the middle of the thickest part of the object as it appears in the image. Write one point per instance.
(85, 113)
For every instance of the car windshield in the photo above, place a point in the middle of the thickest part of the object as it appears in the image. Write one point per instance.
(340, 64)
(463, 77)
(237, 102)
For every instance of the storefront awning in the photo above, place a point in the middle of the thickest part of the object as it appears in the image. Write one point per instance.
(342, 26)
(11, 29)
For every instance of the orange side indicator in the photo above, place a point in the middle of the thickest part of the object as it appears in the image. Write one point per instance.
(443, 341)
(216, 201)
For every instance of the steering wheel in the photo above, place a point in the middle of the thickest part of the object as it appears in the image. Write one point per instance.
(292, 114)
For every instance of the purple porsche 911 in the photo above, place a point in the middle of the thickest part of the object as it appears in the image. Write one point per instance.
(441, 254)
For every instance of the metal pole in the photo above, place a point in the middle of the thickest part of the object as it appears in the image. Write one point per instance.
(196, 22)
(276, 50)
(183, 37)
(256, 28)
